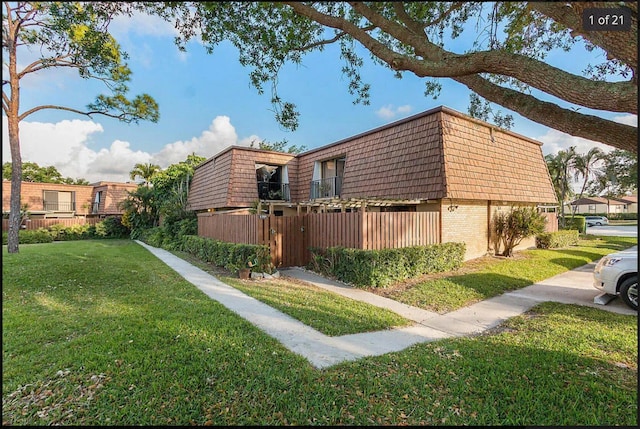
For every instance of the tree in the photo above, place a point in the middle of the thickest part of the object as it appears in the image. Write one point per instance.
(561, 167)
(65, 35)
(511, 228)
(146, 171)
(504, 66)
(617, 176)
(584, 166)
(171, 186)
(279, 146)
(32, 172)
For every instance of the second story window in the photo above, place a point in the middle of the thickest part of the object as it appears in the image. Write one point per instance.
(96, 202)
(272, 182)
(59, 201)
(328, 176)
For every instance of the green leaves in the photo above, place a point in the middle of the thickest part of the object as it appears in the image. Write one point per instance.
(380, 268)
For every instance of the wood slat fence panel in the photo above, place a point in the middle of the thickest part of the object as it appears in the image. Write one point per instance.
(230, 228)
(33, 224)
(399, 229)
(290, 237)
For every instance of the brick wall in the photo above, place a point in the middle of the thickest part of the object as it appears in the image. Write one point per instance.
(466, 222)
(32, 194)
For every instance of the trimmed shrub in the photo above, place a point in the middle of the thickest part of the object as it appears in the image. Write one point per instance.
(380, 268)
(576, 222)
(231, 256)
(40, 235)
(554, 240)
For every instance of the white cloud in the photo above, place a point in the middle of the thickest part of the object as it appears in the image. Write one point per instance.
(65, 145)
(390, 112)
(555, 140)
(221, 134)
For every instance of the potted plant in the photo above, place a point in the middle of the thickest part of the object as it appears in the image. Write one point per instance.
(245, 272)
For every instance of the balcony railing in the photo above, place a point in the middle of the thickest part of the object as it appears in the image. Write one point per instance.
(59, 207)
(273, 191)
(326, 188)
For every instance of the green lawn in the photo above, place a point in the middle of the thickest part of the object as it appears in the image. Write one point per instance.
(103, 333)
(493, 276)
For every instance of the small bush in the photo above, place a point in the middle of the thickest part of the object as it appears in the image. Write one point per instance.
(576, 222)
(509, 229)
(379, 268)
(554, 240)
(112, 227)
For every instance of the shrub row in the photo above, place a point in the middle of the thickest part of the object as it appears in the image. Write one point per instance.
(379, 268)
(109, 228)
(613, 216)
(554, 240)
(231, 256)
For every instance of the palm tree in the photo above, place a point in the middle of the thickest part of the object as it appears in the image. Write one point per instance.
(584, 166)
(561, 167)
(146, 171)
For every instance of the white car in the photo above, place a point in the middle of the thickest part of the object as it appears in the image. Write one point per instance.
(617, 274)
(596, 220)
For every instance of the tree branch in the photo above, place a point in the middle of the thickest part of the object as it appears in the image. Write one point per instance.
(338, 36)
(576, 124)
(437, 62)
(121, 116)
(613, 42)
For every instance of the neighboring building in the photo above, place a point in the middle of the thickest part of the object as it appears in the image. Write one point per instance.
(61, 201)
(593, 205)
(438, 161)
(630, 203)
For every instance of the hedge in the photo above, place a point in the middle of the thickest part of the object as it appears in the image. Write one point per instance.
(231, 256)
(554, 240)
(110, 227)
(380, 268)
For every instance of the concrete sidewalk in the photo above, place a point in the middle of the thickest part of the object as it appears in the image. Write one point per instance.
(323, 351)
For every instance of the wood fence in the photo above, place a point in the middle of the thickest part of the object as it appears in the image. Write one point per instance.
(45, 223)
(290, 237)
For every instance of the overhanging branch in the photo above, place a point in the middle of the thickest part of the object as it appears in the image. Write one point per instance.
(590, 127)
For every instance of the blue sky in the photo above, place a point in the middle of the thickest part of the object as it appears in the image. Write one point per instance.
(206, 104)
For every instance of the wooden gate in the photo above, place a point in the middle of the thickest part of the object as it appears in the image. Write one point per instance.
(287, 238)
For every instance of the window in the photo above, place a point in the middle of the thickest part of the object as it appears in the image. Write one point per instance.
(59, 201)
(328, 176)
(96, 202)
(273, 182)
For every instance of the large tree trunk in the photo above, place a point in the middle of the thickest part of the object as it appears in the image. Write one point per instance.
(16, 184)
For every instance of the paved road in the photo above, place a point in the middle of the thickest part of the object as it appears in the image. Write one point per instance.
(614, 230)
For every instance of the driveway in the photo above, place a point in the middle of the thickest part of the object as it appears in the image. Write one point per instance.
(614, 230)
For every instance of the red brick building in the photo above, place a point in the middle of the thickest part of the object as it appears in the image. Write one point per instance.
(60, 201)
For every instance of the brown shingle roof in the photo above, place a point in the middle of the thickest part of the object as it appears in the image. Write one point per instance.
(436, 154)
(228, 179)
(487, 163)
(596, 200)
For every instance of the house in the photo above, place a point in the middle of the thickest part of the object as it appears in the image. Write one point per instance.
(461, 169)
(49, 201)
(631, 203)
(602, 205)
